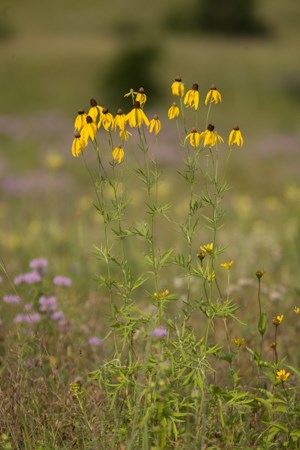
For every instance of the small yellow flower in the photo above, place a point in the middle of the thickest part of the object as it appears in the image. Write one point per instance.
(155, 125)
(74, 388)
(106, 119)
(227, 264)
(161, 294)
(173, 111)
(277, 320)
(119, 120)
(95, 110)
(297, 310)
(89, 130)
(282, 375)
(136, 117)
(78, 144)
(210, 136)
(124, 135)
(260, 274)
(207, 248)
(192, 97)
(201, 255)
(194, 138)
(141, 97)
(213, 95)
(239, 342)
(210, 276)
(118, 154)
(80, 120)
(178, 87)
(235, 137)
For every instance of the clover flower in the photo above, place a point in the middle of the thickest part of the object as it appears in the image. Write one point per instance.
(136, 117)
(59, 280)
(47, 303)
(80, 120)
(89, 130)
(235, 137)
(155, 125)
(282, 375)
(173, 111)
(119, 120)
(95, 110)
(194, 138)
(210, 136)
(27, 318)
(38, 263)
(277, 320)
(118, 154)
(213, 95)
(13, 299)
(29, 278)
(141, 97)
(227, 264)
(192, 97)
(78, 144)
(106, 119)
(177, 87)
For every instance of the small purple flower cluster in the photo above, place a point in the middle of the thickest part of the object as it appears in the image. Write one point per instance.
(27, 318)
(47, 303)
(15, 299)
(159, 332)
(62, 281)
(29, 278)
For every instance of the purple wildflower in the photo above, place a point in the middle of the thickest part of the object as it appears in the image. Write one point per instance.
(57, 315)
(28, 306)
(27, 318)
(62, 281)
(47, 303)
(95, 341)
(159, 332)
(30, 277)
(39, 264)
(15, 299)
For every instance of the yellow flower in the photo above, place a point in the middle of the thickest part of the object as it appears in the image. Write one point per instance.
(118, 154)
(78, 144)
(210, 136)
(106, 119)
(131, 94)
(155, 125)
(277, 320)
(124, 135)
(213, 95)
(80, 120)
(95, 110)
(210, 276)
(201, 255)
(194, 138)
(141, 97)
(178, 87)
(89, 130)
(173, 111)
(297, 310)
(282, 375)
(119, 120)
(235, 137)
(161, 294)
(192, 97)
(239, 342)
(136, 117)
(227, 264)
(207, 248)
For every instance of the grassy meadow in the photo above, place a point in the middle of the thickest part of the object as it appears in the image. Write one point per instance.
(150, 302)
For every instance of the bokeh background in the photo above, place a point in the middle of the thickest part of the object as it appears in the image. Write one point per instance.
(56, 55)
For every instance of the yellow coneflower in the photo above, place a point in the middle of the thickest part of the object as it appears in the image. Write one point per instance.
(210, 137)
(124, 135)
(192, 97)
(89, 130)
(141, 97)
(213, 95)
(78, 144)
(194, 138)
(155, 125)
(118, 154)
(178, 87)
(136, 117)
(106, 119)
(235, 137)
(277, 320)
(227, 264)
(95, 110)
(282, 375)
(173, 111)
(80, 120)
(119, 120)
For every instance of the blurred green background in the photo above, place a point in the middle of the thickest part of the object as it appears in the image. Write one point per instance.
(56, 55)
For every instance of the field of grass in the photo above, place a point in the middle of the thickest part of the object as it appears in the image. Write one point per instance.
(137, 350)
